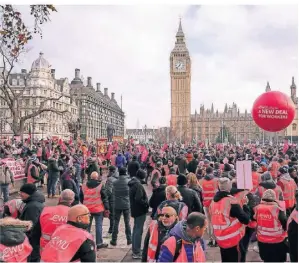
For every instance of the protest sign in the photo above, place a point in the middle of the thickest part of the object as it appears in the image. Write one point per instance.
(244, 175)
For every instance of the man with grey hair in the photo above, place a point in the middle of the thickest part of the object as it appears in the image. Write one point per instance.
(51, 218)
(156, 174)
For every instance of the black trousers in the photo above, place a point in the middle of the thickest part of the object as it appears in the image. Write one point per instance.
(111, 215)
(273, 252)
(232, 254)
(244, 243)
(117, 214)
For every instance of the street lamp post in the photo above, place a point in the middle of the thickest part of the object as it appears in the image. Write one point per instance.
(145, 127)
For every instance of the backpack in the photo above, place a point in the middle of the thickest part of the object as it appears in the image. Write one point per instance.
(178, 246)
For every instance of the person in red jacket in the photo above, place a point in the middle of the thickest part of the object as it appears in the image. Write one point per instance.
(72, 242)
(14, 244)
(52, 217)
(288, 187)
(271, 229)
(94, 196)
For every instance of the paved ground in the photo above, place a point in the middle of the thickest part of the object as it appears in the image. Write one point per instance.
(123, 253)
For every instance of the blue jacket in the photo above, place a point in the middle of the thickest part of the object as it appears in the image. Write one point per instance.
(120, 161)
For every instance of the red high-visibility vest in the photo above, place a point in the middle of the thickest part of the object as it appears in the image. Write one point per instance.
(15, 206)
(30, 179)
(153, 241)
(289, 190)
(50, 219)
(256, 179)
(92, 199)
(277, 190)
(274, 169)
(171, 179)
(269, 228)
(240, 197)
(293, 216)
(166, 169)
(64, 243)
(209, 189)
(198, 253)
(18, 253)
(227, 230)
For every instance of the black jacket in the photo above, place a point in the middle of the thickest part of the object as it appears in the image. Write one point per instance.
(120, 193)
(87, 251)
(138, 198)
(242, 214)
(198, 191)
(191, 199)
(182, 164)
(162, 233)
(70, 184)
(157, 198)
(192, 166)
(53, 170)
(93, 167)
(33, 208)
(93, 184)
(133, 167)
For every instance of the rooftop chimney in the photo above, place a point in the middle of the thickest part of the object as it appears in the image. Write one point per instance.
(112, 95)
(106, 91)
(98, 87)
(77, 73)
(23, 71)
(53, 73)
(89, 82)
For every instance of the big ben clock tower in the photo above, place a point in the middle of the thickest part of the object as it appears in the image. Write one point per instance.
(180, 74)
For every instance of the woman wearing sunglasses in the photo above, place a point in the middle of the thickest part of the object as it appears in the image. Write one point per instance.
(157, 233)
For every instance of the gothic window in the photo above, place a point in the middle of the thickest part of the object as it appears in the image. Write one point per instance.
(14, 82)
(294, 126)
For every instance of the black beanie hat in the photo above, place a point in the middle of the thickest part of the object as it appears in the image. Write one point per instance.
(182, 180)
(28, 189)
(122, 171)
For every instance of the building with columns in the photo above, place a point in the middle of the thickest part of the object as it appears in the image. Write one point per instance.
(41, 84)
(96, 109)
(207, 124)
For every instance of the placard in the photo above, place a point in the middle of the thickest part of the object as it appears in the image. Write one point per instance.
(244, 175)
(17, 167)
(101, 145)
(119, 139)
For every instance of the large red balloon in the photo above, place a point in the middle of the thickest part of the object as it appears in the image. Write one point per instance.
(273, 111)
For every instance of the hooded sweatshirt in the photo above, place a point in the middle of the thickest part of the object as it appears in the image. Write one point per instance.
(179, 232)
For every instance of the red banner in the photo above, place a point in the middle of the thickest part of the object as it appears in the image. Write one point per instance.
(101, 146)
(17, 167)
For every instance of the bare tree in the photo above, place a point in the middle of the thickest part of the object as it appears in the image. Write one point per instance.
(15, 36)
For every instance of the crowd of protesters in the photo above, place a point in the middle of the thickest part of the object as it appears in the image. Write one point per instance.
(193, 188)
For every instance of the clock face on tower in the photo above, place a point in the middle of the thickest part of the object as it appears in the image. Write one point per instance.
(180, 65)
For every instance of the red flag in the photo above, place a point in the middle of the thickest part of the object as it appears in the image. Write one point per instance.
(285, 146)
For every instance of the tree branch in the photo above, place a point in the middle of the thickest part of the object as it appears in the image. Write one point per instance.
(38, 112)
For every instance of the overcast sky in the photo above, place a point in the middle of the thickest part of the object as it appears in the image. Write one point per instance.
(234, 50)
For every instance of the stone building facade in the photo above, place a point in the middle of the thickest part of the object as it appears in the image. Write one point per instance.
(41, 85)
(142, 135)
(208, 123)
(96, 109)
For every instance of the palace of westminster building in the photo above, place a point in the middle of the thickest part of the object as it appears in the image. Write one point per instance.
(206, 124)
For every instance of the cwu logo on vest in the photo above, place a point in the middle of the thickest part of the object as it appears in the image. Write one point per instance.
(11, 251)
(60, 243)
(59, 219)
(265, 217)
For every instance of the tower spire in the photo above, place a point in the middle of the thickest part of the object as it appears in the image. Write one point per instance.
(293, 88)
(180, 32)
(268, 87)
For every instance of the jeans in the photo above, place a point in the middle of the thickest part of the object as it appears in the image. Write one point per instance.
(137, 233)
(4, 188)
(51, 187)
(99, 227)
(117, 215)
